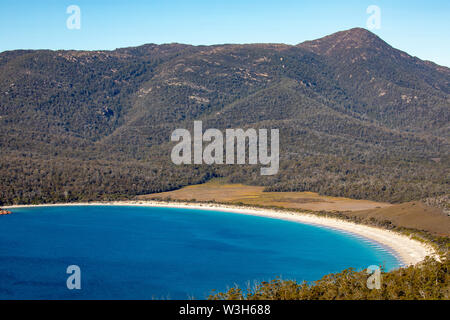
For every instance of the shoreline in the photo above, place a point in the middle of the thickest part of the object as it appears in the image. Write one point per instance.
(407, 251)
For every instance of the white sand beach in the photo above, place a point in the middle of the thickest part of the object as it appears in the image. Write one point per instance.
(406, 249)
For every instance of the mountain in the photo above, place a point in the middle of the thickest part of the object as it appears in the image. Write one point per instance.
(389, 85)
(357, 118)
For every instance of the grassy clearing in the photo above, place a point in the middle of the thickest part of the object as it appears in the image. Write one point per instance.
(220, 191)
(410, 215)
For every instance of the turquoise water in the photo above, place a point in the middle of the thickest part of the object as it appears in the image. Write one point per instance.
(144, 253)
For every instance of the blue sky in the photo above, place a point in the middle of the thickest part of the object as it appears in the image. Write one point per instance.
(421, 28)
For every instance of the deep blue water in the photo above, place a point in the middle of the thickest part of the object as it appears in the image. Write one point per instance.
(144, 253)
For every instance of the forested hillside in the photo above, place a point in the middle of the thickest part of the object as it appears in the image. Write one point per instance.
(357, 118)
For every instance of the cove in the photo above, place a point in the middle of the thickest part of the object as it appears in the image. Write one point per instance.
(131, 252)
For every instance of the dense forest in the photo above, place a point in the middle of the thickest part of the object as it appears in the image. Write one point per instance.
(357, 118)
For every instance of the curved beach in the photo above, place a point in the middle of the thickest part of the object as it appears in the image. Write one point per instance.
(407, 250)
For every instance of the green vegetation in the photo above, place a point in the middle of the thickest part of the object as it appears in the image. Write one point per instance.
(426, 281)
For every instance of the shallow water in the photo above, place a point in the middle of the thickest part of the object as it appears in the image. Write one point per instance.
(127, 252)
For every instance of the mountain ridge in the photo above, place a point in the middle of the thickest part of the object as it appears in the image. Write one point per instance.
(365, 105)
